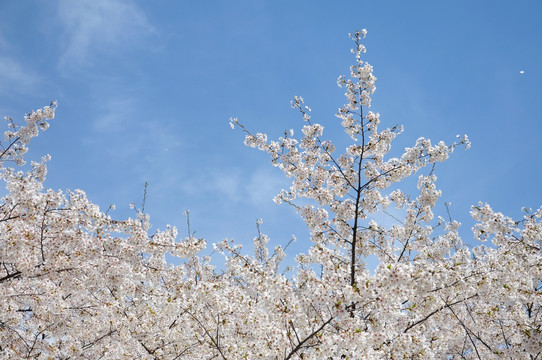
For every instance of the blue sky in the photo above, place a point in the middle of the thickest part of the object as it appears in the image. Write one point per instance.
(145, 90)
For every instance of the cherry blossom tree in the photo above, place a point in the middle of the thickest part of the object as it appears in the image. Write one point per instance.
(75, 283)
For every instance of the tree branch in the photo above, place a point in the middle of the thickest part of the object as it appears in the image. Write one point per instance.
(310, 336)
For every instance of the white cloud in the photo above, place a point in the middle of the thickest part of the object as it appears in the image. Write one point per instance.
(15, 77)
(258, 189)
(99, 27)
(115, 115)
(226, 182)
(265, 184)
(123, 134)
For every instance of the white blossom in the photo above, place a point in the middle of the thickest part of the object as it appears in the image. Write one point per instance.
(75, 283)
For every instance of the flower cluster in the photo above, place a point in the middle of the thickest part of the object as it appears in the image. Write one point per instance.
(75, 283)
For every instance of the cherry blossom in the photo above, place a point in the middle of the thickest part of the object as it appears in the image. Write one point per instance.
(77, 283)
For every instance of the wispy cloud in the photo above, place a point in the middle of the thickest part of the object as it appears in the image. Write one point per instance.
(14, 75)
(258, 188)
(98, 27)
(265, 184)
(226, 183)
(114, 115)
(125, 134)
